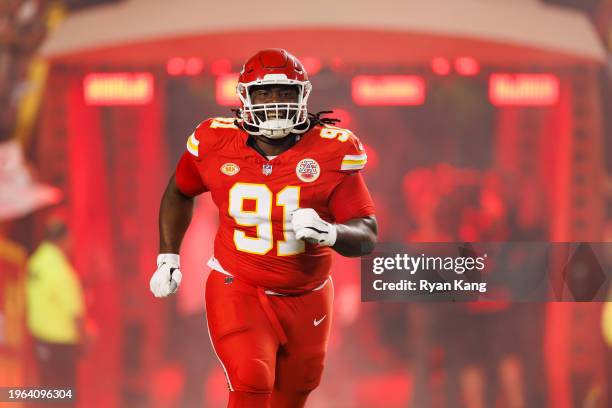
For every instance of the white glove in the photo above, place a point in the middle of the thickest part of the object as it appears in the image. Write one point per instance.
(310, 227)
(167, 277)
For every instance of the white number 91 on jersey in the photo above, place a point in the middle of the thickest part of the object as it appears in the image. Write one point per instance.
(261, 218)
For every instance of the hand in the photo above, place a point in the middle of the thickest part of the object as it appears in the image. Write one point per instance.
(167, 278)
(310, 227)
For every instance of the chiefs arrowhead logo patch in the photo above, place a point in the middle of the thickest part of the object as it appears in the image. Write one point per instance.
(229, 169)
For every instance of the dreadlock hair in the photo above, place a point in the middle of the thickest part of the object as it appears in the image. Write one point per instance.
(314, 119)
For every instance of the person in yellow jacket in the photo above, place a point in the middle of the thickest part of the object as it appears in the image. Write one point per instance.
(55, 308)
(606, 321)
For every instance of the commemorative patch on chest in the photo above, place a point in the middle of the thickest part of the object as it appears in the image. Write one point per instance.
(308, 170)
(229, 169)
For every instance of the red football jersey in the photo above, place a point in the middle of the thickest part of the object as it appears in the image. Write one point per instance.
(255, 196)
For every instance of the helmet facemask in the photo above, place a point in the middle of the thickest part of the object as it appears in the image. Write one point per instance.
(274, 120)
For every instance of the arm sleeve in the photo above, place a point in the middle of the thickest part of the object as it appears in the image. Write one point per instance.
(351, 199)
(188, 178)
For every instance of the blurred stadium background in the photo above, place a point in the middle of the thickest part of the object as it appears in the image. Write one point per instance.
(484, 120)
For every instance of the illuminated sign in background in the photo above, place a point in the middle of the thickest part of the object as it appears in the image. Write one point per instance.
(118, 88)
(505, 89)
(388, 90)
(523, 89)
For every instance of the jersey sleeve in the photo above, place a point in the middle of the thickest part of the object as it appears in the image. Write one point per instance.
(209, 136)
(187, 177)
(353, 155)
(351, 199)
(342, 149)
(193, 144)
(200, 140)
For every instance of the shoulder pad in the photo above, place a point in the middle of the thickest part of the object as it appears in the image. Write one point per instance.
(206, 135)
(347, 148)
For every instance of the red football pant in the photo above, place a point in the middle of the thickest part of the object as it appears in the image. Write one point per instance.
(272, 348)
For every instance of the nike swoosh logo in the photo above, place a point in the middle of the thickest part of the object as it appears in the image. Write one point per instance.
(318, 230)
(318, 322)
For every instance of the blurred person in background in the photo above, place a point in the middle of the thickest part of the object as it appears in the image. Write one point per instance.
(12, 308)
(479, 364)
(490, 364)
(55, 308)
(22, 29)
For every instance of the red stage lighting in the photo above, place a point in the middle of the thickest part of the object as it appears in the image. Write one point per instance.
(523, 89)
(226, 89)
(467, 66)
(344, 116)
(337, 64)
(118, 88)
(312, 65)
(388, 90)
(194, 66)
(175, 66)
(440, 66)
(221, 66)
(373, 157)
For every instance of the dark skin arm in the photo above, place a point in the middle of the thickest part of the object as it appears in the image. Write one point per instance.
(356, 237)
(174, 218)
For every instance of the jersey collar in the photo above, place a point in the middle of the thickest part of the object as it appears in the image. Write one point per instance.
(250, 142)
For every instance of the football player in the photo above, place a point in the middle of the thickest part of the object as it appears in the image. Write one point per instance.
(289, 191)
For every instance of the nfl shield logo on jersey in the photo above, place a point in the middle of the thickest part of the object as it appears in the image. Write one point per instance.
(308, 170)
(266, 169)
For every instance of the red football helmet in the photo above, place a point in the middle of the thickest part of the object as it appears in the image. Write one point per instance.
(273, 120)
